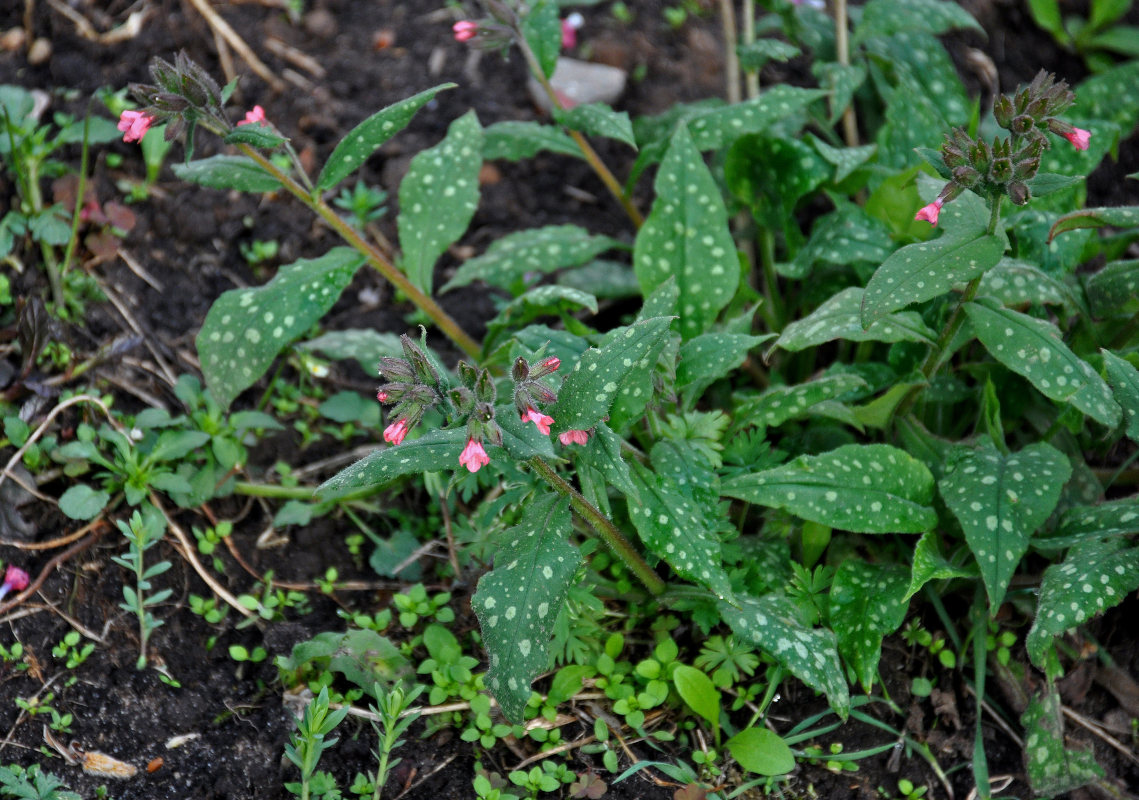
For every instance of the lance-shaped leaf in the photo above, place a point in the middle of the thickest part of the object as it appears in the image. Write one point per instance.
(518, 601)
(598, 119)
(840, 82)
(603, 453)
(866, 606)
(543, 31)
(589, 390)
(434, 450)
(923, 271)
(1114, 290)
(810, 654)
(713, 355)
(1052, 768)
(1020, 283)
(437, 198)
(673, 527)
(367, 137)
(535, 250)
(1033, 348)
(882, 18)
(929, 565)
(846, 236)
(521, 440)
(781, 403)
(1116, 518)
(513, 140)
(1000, 501)
(1096, 575)
(686, 237)
(1115, 216)
(228, 172)
(713, 129)
(365, 345)
(840, 317)
(245, 329)
(873, 488)
(541, 301)
(1124, 380)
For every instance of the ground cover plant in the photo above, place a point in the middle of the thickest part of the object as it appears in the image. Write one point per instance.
(829, 425)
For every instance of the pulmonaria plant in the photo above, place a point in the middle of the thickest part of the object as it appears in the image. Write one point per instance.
(1006, 167)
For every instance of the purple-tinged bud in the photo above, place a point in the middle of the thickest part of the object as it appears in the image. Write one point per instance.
(1002, 110)
(521, 370)
(1019, 193)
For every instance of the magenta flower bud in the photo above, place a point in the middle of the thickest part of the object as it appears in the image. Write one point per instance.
(1079, 138)
(474, 457)
(254, 116)
(929, 213)
(573, 437)
(538, 418)
(134, 125)
(396, 432)
(382, 396)
(15, 580)
(465, 30)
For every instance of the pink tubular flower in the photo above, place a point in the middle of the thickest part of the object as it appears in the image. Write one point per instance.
(15, 580)
(395, 432)
(538, 418)
(573, 437)
(254, 116)
(929, 213)
(474, 457)
(570, 26)
(134, 125)
(465, 30)
(1079, 138)
(382, 396)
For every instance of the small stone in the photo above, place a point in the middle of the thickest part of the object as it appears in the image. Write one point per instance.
(321, 23)
(12, 40)
(580, 83)
(39, 52)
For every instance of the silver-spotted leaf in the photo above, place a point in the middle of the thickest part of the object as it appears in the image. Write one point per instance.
(1052, 768)
(840, 81)
(513, 140)
(518, 601)
(1124, 380)
(873, 488)
(781, 403)
(929, 565)
(535, 250)
(245, 329)
(1000, 500)
(1114, 290)
(1112, 95)
(840, 317)
(1020, 283)
(714, 128)
(543, 31)
(589, 390)
(354, 149)
(1033, 348)
(1115, 518)
(673, 528)
(1112, 216)
(686, 237)
(603, 453)
(885, 18)
(365, 345)
(771, 623)
(437, 198)
(1096, 575)
(434, 450)
(709, 356)
(598, 119)
(866, 605)
(228, 172)
(926, 270)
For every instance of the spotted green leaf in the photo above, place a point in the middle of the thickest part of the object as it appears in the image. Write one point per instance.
(245, 329)
(1119, 217)
(1096, 575)
(255, 135)
(781, 403)
(925, 270)
(1124, 380)
(228, 172)
(754, 55)
(709, 356)
(365, 345)
(543, 31)
(598, 119)
(1112, 95)
(518, 601)
(367, 137)
(1000, 500)
(589, 390)
(1033, 348)
(866, 605)
(873, 488)
(930, 565)
(714, 128)
(673, 528)
(534, 250)
(521, 440)
(1020, 283)
(686, 237)
(840, 81)
(846, 236)
(603, 453)
(886, 17)
(840, 317)
(434, 450)
(1052, 768)
(770, 174)
(1114, 290)
(771, 623)
(545, 300)
(513, 140)
(844, 159)
(437, 198)
(1116, 518)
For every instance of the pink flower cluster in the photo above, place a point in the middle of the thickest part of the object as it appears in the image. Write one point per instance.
(134, 125)
(465, 30)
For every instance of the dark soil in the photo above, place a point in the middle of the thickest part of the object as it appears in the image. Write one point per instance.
(222, 733)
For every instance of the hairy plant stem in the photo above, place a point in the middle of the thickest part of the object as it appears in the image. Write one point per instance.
(842, 48)
(424, 302)
(602, 525)
(595, 163)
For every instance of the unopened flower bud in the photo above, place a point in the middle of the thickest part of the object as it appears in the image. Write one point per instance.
(543, 394)
(546, 366)
(1001, 170)
(1019, 193)
(520, 371)
(1022, 124)
(966, 176)
(1003, 111)
(395, 369)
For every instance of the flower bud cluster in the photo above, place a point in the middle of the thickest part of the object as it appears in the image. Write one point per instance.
(182, 93)
(1005, 167)
(413, 386)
